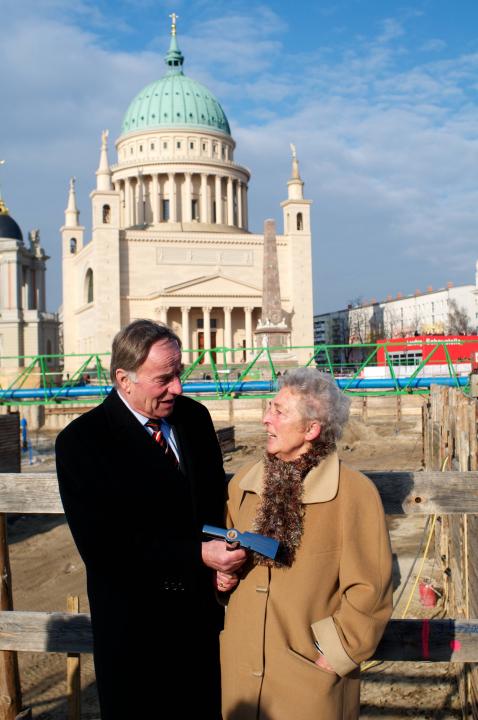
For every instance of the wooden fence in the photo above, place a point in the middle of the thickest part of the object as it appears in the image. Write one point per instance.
(450, 440)
(450, 493)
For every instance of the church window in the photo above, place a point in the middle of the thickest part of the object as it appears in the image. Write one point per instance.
(195, 209)
(204, 147)
(178, 145)
(152, 146)
(141, 148)
(131, 150)
(89, 286)
(214, 211)
(191, 146)
(165, 208)
(223, 152)
(106, 214)
(178, 114)
(300, 221)
(72, 246)
(165, 145)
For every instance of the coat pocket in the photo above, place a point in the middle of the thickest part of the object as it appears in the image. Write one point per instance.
(331, 676)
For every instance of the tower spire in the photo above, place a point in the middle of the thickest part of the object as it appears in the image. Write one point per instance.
(295, 184)
(3, 207)
(72, 213)
(174, 58)
(103, 174)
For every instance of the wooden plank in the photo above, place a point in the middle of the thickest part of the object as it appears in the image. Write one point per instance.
(414, 640)
(403, 493)
(435, 640)
(46, 632)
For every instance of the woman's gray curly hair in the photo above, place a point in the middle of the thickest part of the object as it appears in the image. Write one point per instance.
(320, 399)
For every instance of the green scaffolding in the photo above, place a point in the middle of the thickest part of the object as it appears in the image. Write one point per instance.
(220, 366)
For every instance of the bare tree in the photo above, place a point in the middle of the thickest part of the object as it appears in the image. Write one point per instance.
(458, 320)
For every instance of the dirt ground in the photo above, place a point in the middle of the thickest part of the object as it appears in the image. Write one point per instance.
(46, 569)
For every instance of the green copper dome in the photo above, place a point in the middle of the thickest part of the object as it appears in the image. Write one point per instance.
(175, 101)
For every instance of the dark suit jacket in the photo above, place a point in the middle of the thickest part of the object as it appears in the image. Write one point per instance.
(137, 521)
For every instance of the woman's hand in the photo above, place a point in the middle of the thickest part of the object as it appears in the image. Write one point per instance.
(322, 663)
(225, 582)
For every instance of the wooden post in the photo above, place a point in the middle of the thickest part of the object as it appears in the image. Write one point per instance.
(73, 670)
(364, 409)
(10, 693)
(399, 408)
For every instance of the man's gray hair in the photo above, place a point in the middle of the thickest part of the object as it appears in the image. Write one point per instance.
(320, 399)
(132, 344)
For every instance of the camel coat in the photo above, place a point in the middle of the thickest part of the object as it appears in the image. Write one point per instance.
(337, 593)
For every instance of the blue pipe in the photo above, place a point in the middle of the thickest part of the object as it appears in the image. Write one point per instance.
(262, 386)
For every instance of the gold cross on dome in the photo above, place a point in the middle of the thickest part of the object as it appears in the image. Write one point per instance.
(173, 17)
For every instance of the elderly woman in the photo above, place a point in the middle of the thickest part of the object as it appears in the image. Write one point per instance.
(297, 628)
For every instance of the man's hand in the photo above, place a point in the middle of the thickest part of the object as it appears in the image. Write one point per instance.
(216, 555)
(225, 582)
(322, 663)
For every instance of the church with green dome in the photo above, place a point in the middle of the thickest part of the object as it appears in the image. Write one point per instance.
(170, 236)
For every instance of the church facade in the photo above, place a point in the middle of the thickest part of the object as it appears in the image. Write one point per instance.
(170, 234)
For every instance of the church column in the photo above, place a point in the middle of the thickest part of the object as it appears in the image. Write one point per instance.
(140, 199)
(132, 205)
(245, 210)
(120, 187)
(239, 204)
(218, 196)
(155, 199)
(127, 203)
(248, 317)
(163, 314)
(230, 202)
(228, 333)
(204, 213)
(206, 312)
(173, 216)
(187, 210)
(187, 358)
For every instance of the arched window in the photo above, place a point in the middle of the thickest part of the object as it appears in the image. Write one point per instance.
(106, 214)
(89, 286)
(72, 246)
(300, 222)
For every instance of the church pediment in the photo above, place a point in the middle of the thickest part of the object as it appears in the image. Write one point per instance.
(217, 284)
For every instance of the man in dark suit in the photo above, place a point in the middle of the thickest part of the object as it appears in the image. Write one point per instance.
(136, 500)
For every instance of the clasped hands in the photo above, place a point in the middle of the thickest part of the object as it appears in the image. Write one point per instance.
(226, 560)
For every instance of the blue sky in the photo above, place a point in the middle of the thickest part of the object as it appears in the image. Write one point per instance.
(380, 98)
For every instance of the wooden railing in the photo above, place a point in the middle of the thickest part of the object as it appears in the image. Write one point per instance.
(403, 493)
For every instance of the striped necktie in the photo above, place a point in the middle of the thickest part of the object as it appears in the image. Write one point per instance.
(159, 438)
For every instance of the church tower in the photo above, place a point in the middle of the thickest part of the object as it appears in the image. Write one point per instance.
(296, 212)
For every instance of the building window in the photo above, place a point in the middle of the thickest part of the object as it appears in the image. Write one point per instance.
(165, 145)
(165, 208)
(141, 148)
(131, 150)
(300, 222)
(152, 146)
(89, 295)
(204, 147)
(106, 214)
(195, 209)
(212, 323)
(73, 245)
(178, 145)
(214, 211)
(191, 146)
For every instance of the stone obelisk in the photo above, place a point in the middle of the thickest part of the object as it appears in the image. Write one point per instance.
(272, 329)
